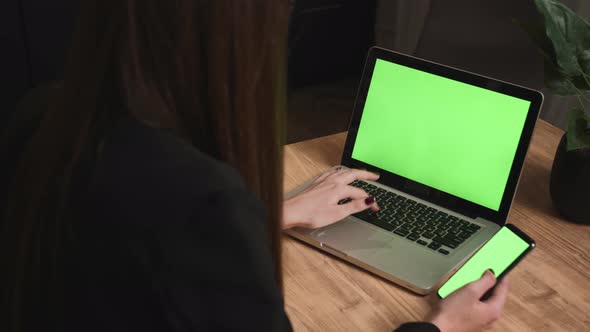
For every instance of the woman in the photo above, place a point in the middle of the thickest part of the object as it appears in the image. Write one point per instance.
(149, 197)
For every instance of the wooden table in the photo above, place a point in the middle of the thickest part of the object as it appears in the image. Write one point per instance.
(550, 289)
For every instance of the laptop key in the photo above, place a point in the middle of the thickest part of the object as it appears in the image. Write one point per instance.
(401, 232)
(440, 232)
(454, 231)
(382, 224)
(429, 228)
(455, 238)
(428, 235)
(464, 235)
(445, 227)
(371, 187)
(418, 230)
(434, 245)
(422, 242)
(463, 222)
(411, 220)
(447, 242)
(419, 224)
(413, 236)
(453, 224)
(474, 227)
(396, 221)
(466, 228)
(442, 251)
(366, 215)
(407, 226)
(423, 218)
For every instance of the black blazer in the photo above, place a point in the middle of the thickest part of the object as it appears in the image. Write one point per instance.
(169, 239)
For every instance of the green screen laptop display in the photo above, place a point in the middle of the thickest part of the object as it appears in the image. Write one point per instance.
(449, 135)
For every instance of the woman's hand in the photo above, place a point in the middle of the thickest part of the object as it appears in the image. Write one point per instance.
(462, 311)
(317, 205)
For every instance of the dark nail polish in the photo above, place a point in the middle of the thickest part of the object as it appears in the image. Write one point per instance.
(370, 200)
(488, 270)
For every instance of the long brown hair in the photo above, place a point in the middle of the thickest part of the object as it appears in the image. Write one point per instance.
(212, 70)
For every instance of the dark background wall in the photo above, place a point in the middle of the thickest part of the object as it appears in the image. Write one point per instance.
(328, 43)
(34, 35)
(13, 57)
(48, 26)
(474, 35)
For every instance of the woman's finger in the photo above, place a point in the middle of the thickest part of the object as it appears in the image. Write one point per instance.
(349, 176)
(479, 287)
(357, 205)
(322, 177)
(499, 296)
(351, 192)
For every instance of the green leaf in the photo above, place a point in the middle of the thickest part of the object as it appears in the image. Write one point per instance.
(557, 82)
(578, 133)
(585, 61)
(570, 36)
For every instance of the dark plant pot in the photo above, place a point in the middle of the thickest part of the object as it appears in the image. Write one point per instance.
(570, 183)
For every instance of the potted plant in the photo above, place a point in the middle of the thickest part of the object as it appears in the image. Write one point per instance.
(564, 40)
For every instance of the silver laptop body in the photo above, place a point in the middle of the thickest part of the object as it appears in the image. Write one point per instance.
(396, 258)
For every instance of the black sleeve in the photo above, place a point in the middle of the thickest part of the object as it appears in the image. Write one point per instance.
(16, 133)
(417, 327)
(216, 271)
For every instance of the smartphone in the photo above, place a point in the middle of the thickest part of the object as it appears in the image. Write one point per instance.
(500, 254)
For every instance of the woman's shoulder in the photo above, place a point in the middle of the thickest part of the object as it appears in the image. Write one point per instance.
(137, 151)
(154, 171)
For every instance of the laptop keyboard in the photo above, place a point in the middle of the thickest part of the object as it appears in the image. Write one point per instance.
(417, 222)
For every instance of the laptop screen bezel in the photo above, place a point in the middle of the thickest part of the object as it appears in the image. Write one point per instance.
(425, 192)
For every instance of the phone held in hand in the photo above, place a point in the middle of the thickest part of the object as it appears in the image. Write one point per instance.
(500, 254)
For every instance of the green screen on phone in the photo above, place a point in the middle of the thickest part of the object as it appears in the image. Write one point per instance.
(446, 134)
(497, 254)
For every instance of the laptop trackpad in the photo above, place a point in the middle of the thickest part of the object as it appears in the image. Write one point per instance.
(353, 238)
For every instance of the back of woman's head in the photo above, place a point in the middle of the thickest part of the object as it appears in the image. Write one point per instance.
(212, 70)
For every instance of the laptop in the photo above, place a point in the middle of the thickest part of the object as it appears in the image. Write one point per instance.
(449, 146)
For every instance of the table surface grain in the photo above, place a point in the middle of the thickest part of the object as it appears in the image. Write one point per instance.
(550, 289)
